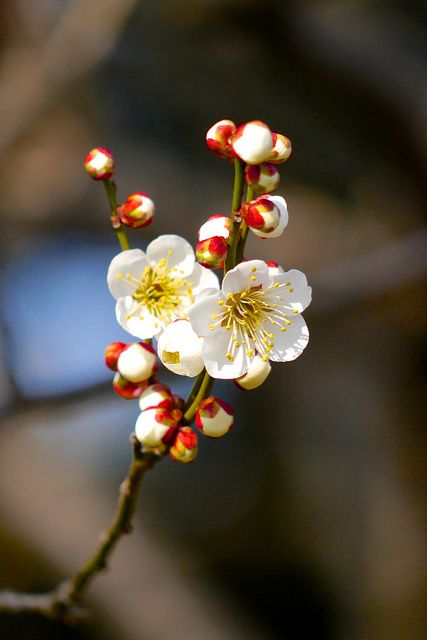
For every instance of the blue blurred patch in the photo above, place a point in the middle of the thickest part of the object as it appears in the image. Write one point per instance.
(58, 314)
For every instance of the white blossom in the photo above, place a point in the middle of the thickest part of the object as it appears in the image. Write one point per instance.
(255, 312)
(156, 287)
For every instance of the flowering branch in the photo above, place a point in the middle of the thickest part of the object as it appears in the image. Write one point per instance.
(203, 330)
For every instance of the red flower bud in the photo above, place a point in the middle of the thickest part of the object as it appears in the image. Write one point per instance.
(99, 163)
(137, 362)
(214, 417)
(282, 149)
(137, 211)
(252, 142)
(217, 138)
(211, 252)
(156, 426)
(263, 178)
(184, 445)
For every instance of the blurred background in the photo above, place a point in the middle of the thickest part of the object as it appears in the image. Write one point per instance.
(310, 517)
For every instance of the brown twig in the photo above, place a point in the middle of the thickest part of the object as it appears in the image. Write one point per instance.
(61, 602)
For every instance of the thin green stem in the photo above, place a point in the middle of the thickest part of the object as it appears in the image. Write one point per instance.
(244, 228)
(204, 389)
(196, 386)
(111, 191)
(233, 239)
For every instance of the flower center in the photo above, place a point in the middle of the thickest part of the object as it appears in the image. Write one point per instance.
(248, 315)
(159, 292)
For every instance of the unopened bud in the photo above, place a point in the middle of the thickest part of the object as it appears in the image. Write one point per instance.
(263, 178)
(180, 349)
(252, 142)
(267, 216)
(156, 395)
(156, 426)
(99, 164)
(214, 417)
(137, 362)
(126, 389)
(217, 138)
(216, 225)
(184, 445)
(211, 253)
(137, 211)
(282, 149)
(257, 373)
(112, 353)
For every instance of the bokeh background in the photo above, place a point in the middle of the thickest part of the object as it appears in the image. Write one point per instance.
(310, 517)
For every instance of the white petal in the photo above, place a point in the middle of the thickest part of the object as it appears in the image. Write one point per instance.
(202, 278)
(215, 348)
(283, 207)
(288, 344)
(132, 261)
(141, 324)
(247, 274)
(201, 312)
(215, 226)
(300, 297)
(177, 251)
(180, 349)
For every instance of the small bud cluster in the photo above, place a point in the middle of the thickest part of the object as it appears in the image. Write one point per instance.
(261, 149)
(138, 209)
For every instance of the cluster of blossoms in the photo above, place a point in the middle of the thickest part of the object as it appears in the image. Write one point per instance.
(201, 327)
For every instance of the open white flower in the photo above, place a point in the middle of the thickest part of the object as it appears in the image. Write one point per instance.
(154, 288)
(256, 312)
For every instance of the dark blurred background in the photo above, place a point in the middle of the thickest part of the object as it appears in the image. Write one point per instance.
(309, 518)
